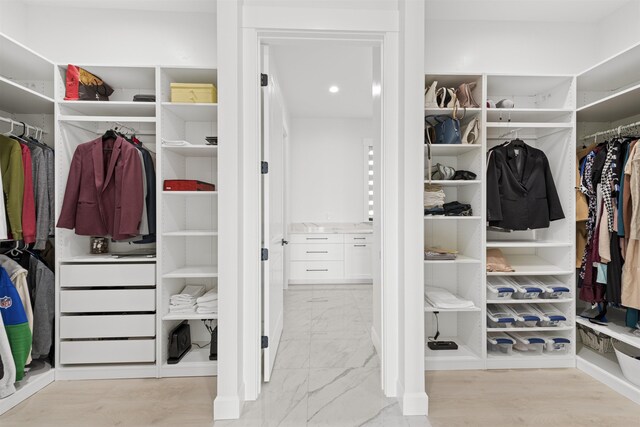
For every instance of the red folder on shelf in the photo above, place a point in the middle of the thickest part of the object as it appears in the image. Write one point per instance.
(187, 185)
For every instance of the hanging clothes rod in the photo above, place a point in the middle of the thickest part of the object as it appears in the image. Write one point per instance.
(516, 130)
(613, 131)
(99, 132)
(528, 138)
(39, 131)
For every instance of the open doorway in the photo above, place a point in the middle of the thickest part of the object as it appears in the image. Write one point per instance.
(321, 136)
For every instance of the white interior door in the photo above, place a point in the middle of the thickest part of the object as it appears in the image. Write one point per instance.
(272, 216)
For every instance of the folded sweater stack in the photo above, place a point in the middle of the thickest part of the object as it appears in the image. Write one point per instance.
(208, 303)
(185, 301)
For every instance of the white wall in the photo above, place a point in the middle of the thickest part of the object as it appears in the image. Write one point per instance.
(111, 36)
(617, 32)
(13, 20)
(327, 169)
(509, 47)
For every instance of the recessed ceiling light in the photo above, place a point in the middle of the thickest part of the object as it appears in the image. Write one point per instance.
(334, 89)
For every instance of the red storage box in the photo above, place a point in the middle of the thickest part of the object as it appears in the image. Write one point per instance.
(187, 185)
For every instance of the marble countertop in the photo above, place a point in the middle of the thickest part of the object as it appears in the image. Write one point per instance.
(331, 227)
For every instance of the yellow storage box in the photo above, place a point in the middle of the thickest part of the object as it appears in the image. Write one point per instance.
(194, 92)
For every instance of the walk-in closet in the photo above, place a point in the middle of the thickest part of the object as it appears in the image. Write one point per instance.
(319, 213)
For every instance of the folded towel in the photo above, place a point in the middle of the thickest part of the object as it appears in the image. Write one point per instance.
(174, 309)
(442, 298)
(208, 304)
(188, 295)
(212, 295)
(182, 303)
(207, 310)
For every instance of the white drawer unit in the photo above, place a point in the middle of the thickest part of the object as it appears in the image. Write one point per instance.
(104, 275)
(358, 261)
(316, 238)
(317, 252)
(108, 351)
(113, 326)
(358, 238)
(316, 270)
(332, 258)
(107, 300)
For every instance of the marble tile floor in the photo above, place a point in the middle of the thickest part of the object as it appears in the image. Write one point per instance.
(327, 372)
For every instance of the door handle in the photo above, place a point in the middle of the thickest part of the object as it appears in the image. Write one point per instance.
(284, 242)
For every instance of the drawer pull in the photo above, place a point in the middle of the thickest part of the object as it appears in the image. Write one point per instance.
(359, 246)
(359, 238)
(317, 269)
(317, 238)
(317, 252)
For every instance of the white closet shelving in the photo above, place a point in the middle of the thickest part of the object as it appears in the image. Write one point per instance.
(607, 98)
(544, 117)
(464, 275)
(26, 95)
(107, 331)
(189, 240)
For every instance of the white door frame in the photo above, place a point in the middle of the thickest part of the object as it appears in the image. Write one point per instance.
(387, 41)
(402, 33)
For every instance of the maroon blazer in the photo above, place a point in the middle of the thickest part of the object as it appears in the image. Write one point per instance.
(104, 193)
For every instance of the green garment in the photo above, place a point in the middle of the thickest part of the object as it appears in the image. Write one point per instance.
(20, 341)
(12, 183)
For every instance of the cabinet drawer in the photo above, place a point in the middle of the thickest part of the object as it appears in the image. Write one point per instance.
(108, 351)
(116, 300)
(78, 327)
(316, 238)
(358, 238)
(94, 275)
(358, 261)
(316, 270)
(317, 252)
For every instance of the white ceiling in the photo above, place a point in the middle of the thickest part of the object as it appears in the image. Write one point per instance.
(333, 4)
(523, 10)
(306, 73)
(481, 10)
(199, 6)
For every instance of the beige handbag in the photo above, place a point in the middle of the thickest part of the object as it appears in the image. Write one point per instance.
(472, 132)
(465, 95)
(430, 96)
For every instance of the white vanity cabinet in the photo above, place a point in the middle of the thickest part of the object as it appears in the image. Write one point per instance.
(330, 258)
(358, 257)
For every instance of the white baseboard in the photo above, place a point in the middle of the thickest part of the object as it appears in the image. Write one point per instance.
(78, 373)
(412, 403)
(227, 408)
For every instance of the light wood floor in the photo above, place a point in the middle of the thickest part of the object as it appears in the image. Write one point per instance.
(184, 402)
(551, 397)
(560, 398)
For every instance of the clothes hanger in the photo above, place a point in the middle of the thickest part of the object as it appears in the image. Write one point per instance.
(10, 130)
(16, 251)
(110, 134)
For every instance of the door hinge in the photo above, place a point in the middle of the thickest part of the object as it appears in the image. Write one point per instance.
(264, 168)
(264, 80)
(264, 342)
(264, 254)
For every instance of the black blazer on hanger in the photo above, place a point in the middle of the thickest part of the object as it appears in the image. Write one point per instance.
(521, 193)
